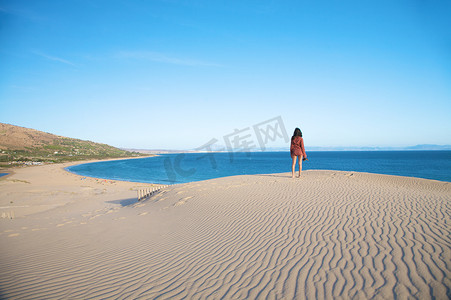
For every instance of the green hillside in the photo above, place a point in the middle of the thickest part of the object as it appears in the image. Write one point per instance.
(24, 146)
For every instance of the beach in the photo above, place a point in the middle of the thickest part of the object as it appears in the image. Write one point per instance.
(327, 234)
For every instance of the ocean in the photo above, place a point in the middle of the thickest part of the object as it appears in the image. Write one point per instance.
(188, 167)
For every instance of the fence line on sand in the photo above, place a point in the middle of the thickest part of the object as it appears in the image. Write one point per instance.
(146, 193)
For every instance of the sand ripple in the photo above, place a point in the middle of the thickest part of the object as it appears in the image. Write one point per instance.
(325, 235)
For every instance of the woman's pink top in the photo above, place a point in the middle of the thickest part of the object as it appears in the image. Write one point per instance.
(297, 146)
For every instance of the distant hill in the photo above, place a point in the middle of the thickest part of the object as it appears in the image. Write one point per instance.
(429, 147)
(424, 147)
(19, 145)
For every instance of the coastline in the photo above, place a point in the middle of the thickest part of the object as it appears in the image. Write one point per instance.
(327, 234)
(71, 164)
(36, 189)
(435, 166)
(10, 171)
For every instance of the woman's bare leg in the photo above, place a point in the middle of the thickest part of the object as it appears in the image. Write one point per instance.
(300, 165)
(293, 165)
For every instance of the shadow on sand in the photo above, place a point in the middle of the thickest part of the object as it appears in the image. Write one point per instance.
(124, 202)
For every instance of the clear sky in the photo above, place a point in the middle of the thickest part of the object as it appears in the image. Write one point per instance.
(175, 74)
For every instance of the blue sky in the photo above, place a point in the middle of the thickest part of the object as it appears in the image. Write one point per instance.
(175, 74)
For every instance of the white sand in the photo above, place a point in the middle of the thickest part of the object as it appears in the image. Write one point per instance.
(327, 234)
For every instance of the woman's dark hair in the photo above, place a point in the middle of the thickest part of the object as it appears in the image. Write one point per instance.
(297, 132)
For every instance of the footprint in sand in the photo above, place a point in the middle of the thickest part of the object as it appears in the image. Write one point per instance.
(143, 213)
(14, 234)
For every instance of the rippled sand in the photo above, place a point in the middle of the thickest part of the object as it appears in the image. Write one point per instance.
(327, 234)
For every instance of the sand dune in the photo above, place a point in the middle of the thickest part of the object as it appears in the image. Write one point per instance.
(325, 235)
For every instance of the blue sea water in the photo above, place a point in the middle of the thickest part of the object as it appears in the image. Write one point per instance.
(188, 167)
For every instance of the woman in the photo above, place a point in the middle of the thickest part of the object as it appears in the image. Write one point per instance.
(297, 150)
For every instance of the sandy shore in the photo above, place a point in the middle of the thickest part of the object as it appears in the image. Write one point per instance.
(40, 188)
(325, 235)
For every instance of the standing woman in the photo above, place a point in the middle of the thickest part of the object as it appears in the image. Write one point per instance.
(297, 150)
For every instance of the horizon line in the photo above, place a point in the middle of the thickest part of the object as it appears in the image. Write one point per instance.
(420, 147)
